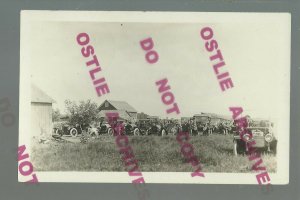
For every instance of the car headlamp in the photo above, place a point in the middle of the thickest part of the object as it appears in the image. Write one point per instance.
(246, 137)
(268, 137)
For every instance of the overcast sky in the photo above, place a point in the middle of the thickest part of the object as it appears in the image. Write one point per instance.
(255, 55)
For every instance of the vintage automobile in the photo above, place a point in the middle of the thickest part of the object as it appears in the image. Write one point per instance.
(203, 123)
(151, 127)
(64, 128)
(224, 128)
(146, 127)
(265, 139)
(171, 127)
(212, 123)
(131, 129)
(103, 127)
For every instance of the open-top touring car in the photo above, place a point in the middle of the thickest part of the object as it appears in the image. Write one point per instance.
(64, 128)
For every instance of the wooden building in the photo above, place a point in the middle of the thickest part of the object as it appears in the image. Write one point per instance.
(126, 111)
(41, 113)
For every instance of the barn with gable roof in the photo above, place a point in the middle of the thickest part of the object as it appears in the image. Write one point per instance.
(126, 111)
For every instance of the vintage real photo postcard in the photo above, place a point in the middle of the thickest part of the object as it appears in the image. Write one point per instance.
(154, 97)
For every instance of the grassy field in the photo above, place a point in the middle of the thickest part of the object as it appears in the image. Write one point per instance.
(153, 153)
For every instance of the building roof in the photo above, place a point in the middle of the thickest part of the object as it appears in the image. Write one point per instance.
(213, 115)
(120, 105)
(122, 114)
(142, 115)
(153, 117)
(38, 96)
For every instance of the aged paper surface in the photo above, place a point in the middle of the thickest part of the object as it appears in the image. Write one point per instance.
(196, 97)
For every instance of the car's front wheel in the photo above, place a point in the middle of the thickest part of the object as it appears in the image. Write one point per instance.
(238, 147)
(73, 132)
(110, 132)
(136, 132)
(273, 146)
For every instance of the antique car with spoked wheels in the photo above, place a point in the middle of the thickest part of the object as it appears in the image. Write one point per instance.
(131, 128)
(152, 127)
(64, 128)
(170, 127)
(104, 128)
(144, 127)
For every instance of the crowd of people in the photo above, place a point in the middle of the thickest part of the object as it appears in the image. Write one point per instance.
(191, 125)
(206, 127)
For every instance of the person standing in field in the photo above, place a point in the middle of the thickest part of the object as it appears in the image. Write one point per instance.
(185, 127)
(195, 128)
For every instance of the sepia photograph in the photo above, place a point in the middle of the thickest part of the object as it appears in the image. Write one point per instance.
(170, 97)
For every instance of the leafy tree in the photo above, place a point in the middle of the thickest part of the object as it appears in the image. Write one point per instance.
(84, 112)
(55, 115)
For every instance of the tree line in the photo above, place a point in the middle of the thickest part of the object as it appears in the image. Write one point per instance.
(82, 112)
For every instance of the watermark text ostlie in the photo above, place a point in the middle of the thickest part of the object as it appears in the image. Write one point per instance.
(225, 82)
